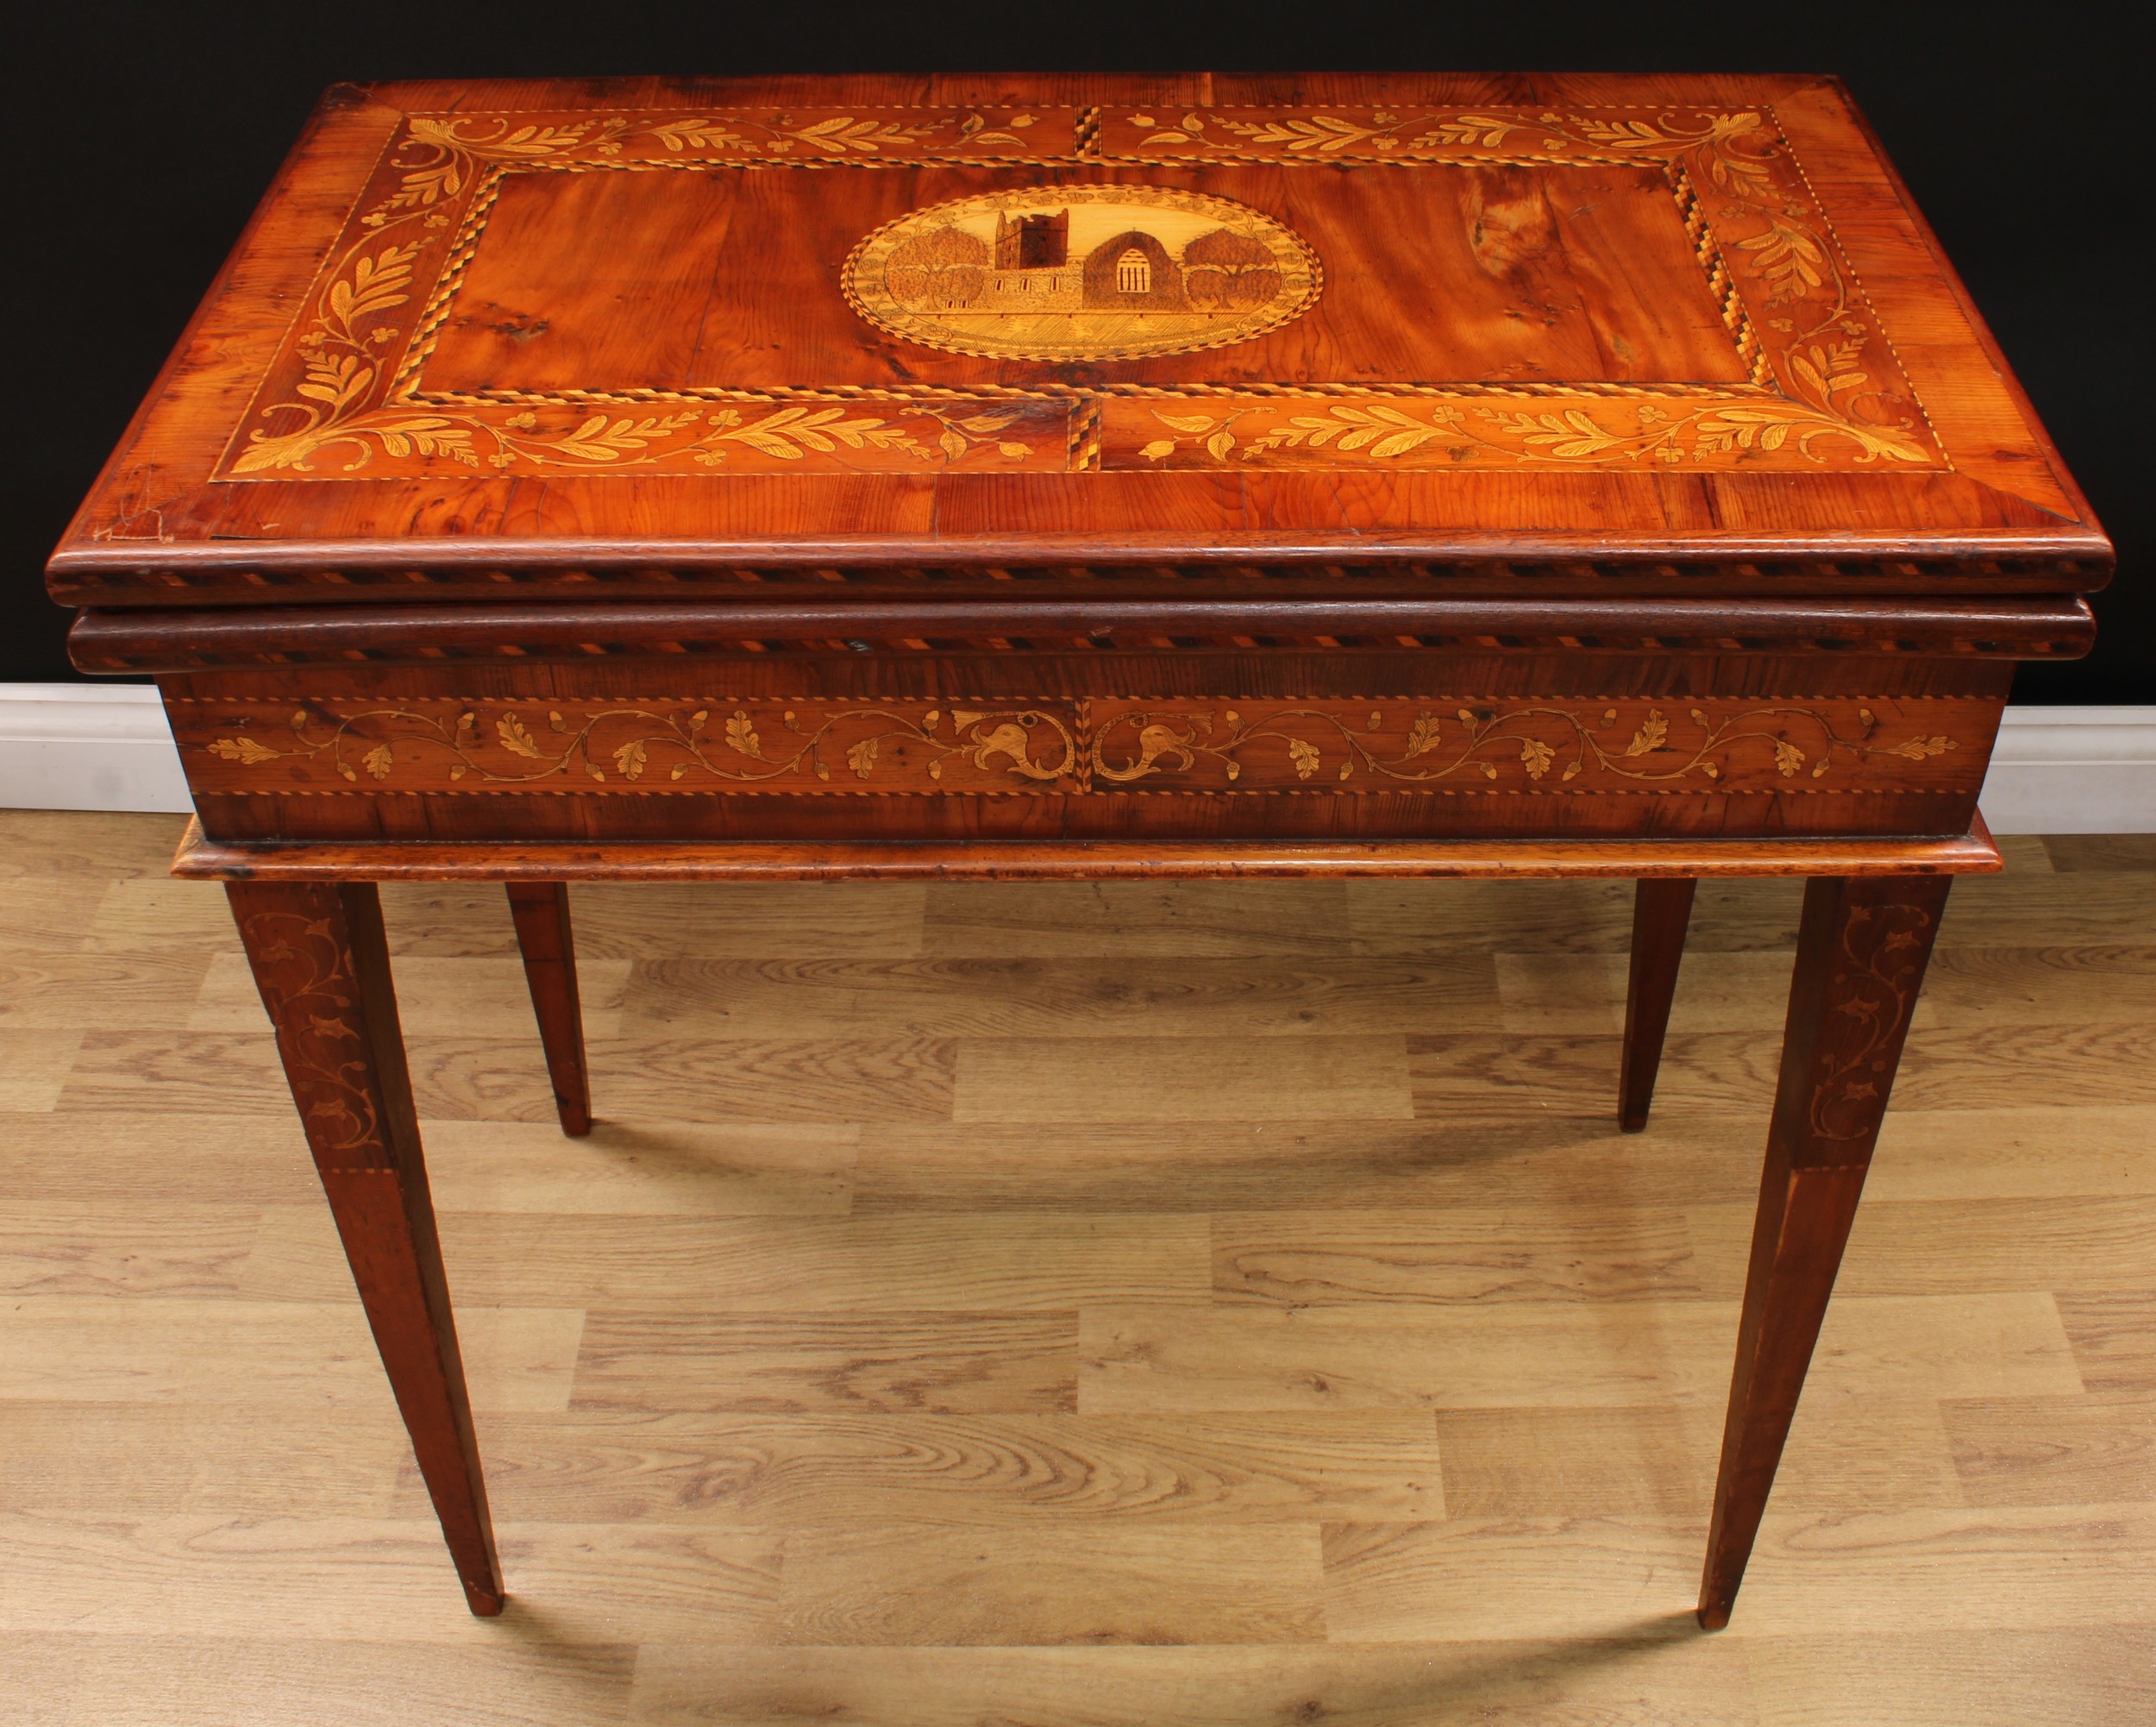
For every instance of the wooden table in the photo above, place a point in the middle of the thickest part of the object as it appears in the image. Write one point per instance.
(1060, 476)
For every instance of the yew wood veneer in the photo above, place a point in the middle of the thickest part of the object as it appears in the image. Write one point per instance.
(1077, 476)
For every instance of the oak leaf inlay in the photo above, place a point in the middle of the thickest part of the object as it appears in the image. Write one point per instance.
(1072, 747)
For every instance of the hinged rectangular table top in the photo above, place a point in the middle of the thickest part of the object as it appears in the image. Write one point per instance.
(565, 331)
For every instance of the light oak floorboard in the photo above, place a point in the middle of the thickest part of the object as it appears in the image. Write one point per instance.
(1553, 917)
(1185, 1079)
(617, 920)
(1319, 1165)
(2105, 851)
(1583, 995)
(435, 997)
(1658, 1677)
(2049, 1451)
(370, 1577)
(64, 1246)
(41, 913)
(1552, 1461)
(156, 914)
(450, 920)
(1471, 1254)
(35, 1065)
(1473, 1078)
(749, 920)
(2114, 1338)
(192, 1350)
(707, 1079)
(1009, 1263)
(504, 1079)
(2018, 986)
(1227, 1304)
(1330, 995)
(1849, 1451)
(644, 1169)
(2066, 909)
(133, 1163)
(1594, 1577)
(1505, 1355)
(55, 845)
(532, 1679)
(2001, 1678)
(900, 1583)
(182, 1460)
(1533, 918)
(1838, 1572)
(61, 991)
(671, 1360)
(1931, 1246)
(2095, 1151)
(1135, 919)
(1023, 1470)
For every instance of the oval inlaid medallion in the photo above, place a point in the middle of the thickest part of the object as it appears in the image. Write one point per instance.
(1082, 272)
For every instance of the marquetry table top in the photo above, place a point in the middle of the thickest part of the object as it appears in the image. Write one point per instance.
(989, 320)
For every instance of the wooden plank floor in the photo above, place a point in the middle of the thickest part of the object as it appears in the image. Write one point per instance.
(1212, 1305)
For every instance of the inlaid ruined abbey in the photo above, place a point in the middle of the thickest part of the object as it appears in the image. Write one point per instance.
(1030, 269)
(1082, 273)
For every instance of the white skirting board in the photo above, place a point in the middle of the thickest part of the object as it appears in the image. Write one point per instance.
(105, 746)
(87, 746)
(2073, 771)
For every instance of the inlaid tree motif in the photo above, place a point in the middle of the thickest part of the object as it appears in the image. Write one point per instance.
(1225, 269)
(941, 268)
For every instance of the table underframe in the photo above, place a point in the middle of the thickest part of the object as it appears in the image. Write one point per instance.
(309, 916)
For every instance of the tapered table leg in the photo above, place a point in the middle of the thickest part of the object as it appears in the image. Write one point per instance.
(541, 911)
(1860, 960)
(1661, 907)
(323, 968)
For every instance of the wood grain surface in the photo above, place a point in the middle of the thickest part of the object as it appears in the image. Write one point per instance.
(965, 1361)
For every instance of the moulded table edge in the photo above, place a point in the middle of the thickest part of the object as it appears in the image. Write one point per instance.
(200, 858)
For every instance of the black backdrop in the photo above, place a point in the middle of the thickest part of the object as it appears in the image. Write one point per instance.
(144, 133)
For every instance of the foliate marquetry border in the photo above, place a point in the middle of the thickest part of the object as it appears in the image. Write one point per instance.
(304, 963)
(1077, 747)
(1874, 980)
(345, 397)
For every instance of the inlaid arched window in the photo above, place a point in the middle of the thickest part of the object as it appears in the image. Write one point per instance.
(1133, 274)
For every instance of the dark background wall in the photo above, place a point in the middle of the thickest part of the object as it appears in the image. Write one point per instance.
(145, 132)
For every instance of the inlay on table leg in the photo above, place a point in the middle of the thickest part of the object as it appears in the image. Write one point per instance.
(1661, 907)
(541, 911)
(1860, 960)
(323, 967)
